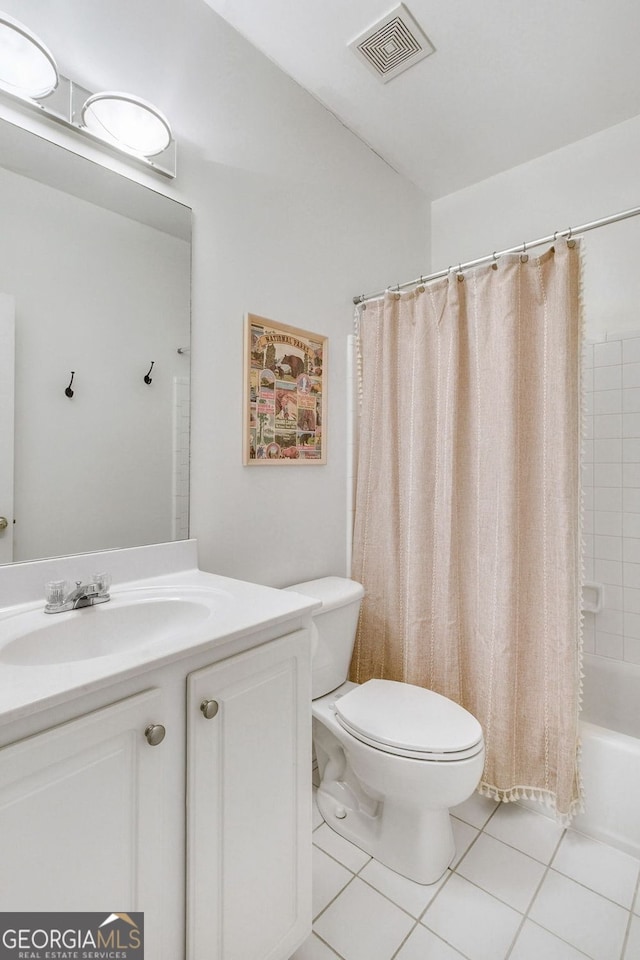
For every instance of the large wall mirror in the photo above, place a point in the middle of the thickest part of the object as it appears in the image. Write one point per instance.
(94, 279)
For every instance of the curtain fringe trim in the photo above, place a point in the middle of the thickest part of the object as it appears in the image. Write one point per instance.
(357, 319)
(579, 802)
(547, 797)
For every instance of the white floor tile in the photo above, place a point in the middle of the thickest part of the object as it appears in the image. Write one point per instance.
(363, 925)
(328, 880)
(608, 871)
(422, 944)
(535, 943)
(314, 949)
(502, 871)
(412, 897)
(476, 810)
(632, 951)
(580, 911)
(581, 917)
(463, 836)
(352, 857)
(472, 921)
(530, 832)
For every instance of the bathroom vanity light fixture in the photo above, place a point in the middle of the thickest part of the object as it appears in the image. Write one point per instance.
(119, 121)
(27, 67)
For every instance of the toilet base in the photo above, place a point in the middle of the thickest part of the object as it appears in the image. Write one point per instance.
(418, 844)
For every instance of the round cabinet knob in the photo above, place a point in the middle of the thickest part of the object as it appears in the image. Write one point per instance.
(155, 734)
(4, 523)
(209, 708)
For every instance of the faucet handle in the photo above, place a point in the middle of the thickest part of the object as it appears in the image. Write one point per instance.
(103, 582)
(56, 592)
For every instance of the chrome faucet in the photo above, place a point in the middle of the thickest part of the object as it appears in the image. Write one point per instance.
(60, 597)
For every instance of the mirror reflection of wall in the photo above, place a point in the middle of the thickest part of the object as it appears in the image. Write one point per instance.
(104, 295)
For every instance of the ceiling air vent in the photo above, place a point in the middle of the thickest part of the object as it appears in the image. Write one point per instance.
(393, 44)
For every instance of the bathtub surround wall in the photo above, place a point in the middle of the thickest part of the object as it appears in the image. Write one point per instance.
(611, 481)
(181, 436)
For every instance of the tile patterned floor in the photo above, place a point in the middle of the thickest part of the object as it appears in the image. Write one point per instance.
(520, 888)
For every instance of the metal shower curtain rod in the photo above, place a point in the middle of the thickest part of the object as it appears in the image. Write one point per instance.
(521, 248)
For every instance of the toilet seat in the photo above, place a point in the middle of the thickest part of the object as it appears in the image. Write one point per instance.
(409, 721)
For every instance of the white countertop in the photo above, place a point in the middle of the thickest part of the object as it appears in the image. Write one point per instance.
(236, 609)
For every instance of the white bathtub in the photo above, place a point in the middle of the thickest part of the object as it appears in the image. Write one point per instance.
(610, 734)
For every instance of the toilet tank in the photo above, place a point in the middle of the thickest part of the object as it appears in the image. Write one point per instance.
(336, 622)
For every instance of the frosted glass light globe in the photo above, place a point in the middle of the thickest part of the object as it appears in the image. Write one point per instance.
(127, 122)
(27, 67)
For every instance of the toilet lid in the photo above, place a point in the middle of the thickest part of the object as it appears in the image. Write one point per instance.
(408, 720)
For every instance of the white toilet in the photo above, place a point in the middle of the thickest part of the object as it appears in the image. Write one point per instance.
(393, 757)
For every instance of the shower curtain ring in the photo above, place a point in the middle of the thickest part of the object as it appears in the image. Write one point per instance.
(460, 274)
(494, 265)
(570, 241)
(524, 256)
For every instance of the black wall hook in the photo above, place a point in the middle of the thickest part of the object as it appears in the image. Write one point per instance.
(147, 378)
(69, 392)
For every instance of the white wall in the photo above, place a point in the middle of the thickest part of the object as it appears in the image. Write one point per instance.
(289, 229)
(102, 295)
(293, 215)
(588, 180)
(585, 181)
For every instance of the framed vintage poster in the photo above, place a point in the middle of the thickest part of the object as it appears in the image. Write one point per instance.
(285, 394)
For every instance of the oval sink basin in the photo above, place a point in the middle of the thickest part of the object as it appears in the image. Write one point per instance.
(101, 630)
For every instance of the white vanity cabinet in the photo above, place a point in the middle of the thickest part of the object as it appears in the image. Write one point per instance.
(94, 813)
(249, 804)
(82, 813)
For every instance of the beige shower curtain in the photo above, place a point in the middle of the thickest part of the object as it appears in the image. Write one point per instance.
(467, 531)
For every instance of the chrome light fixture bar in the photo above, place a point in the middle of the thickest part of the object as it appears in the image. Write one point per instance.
(119, 122)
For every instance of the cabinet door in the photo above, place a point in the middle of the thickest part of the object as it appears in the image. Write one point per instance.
(81, 817)
(249, 804)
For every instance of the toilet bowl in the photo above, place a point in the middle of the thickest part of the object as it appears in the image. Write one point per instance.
(393, 758)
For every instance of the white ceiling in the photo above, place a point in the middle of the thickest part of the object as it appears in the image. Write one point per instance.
(510, 80)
